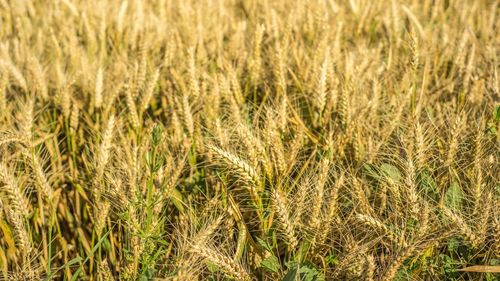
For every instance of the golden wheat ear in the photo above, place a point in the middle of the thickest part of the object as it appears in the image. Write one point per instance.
(284, 219)
(12, 192)
(224, 262)
(245, 170)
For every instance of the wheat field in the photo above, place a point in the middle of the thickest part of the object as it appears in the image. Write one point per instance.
(249, 140)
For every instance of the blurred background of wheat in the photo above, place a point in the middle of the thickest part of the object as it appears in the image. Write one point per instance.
(249, 140)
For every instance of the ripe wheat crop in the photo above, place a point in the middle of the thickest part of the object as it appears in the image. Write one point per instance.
(249, 140)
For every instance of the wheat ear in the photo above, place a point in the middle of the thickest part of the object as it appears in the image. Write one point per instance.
(396, 263)
(465, 230)
(104, 273)
(380, 226)
(242, 167)
(98, 89)
(279, 203)
(319, 188)
(370, 268)
(18, 202)
(226, 264)
(321, 87)
(41, 180)
(130, 100)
